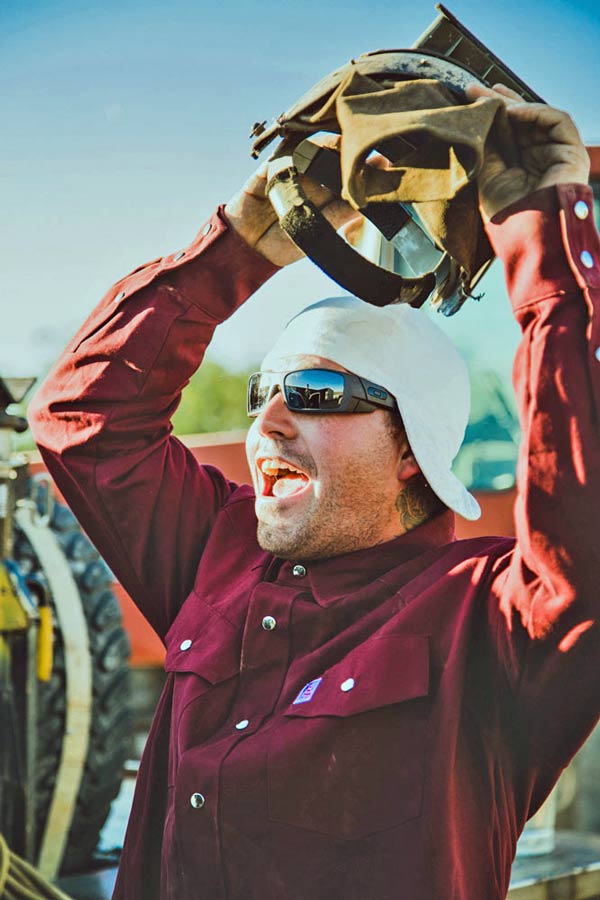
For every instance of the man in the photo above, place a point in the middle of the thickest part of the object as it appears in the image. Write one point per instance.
(357, 705)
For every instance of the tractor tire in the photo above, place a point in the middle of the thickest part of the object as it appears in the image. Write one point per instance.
(112, 718)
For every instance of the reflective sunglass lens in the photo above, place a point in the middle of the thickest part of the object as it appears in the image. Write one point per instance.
(314, 389)
(258, 393)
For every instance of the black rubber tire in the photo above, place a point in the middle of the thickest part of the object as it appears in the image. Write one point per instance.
(112, 718)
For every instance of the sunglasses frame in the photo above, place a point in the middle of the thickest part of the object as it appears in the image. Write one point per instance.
(357, 397)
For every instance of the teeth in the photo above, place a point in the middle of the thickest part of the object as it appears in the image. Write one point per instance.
(272, 467)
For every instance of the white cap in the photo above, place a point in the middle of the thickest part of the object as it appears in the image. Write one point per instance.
(401, 349)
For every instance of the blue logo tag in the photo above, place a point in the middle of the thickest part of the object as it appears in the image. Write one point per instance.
(308, 691)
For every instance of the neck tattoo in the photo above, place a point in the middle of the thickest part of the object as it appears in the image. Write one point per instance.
(417, 503)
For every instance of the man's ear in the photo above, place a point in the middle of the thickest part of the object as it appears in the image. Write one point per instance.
(407, 465)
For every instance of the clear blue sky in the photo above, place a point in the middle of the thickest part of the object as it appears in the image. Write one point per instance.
(125, 123)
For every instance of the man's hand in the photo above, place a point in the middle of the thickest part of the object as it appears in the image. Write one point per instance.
(548, 147)
(251, 214)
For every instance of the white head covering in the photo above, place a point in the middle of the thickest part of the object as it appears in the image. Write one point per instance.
(401, 349)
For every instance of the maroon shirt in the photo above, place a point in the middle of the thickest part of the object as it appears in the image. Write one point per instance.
(375, 725)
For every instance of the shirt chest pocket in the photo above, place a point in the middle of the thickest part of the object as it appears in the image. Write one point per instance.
(350, 761)
(202, 662)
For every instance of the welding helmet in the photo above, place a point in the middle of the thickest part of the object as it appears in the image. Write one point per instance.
(423, 235)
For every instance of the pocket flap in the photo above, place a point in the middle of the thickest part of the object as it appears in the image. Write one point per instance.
(385, 669)
(203, 642)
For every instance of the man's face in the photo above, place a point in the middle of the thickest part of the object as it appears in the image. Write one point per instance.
(325, 484)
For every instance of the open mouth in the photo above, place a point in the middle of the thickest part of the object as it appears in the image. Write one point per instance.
(281, 478)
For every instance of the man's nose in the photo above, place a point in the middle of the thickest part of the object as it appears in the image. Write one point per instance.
(276, 419)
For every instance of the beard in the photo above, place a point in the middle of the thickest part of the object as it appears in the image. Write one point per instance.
(279, 541)
(330, 527)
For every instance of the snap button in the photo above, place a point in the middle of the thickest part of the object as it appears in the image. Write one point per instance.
(347, 685)
(587, 259)
(119, 297)
(299, 571)
(197, 800)
(243, 724)
(207, 228)
(597, 354)
(179, 256)
(269, 623)
(185, 645)
(581, 209)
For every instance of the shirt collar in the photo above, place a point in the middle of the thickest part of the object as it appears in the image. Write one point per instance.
(331, 579)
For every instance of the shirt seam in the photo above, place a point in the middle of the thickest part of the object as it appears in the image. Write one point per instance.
(551, 295)
(186, 299)
(108, 514)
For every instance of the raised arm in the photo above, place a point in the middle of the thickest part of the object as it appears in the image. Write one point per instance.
(542, 228)
(102, 418)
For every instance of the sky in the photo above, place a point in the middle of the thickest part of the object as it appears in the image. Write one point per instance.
(125, 123)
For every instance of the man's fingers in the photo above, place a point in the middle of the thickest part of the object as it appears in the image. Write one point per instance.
(544, 118)
(499, 91)
(256, 184)
(536, 125)
(508, 93)
(475, 91)
(539, 117)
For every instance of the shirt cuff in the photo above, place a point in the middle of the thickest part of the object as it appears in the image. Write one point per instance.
(548, 243)
(219, 270)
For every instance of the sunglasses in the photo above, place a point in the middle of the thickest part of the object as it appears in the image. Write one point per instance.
(317, 391)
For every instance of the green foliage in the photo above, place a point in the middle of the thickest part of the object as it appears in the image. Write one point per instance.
(214, 400)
